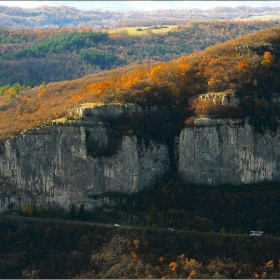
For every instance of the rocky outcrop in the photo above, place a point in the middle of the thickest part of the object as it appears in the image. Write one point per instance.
(275, 48)
(107, 111)
(226, 151)
(204, 104)
(224, 98)
(64, 163)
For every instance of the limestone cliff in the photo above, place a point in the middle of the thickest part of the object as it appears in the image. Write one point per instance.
(56, 165)
(67, 161)
(227, 151)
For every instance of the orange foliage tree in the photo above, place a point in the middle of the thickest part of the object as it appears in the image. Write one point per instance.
(243, 65)
(134, 257)
(173, 74)
(173, 266)
(268, 59)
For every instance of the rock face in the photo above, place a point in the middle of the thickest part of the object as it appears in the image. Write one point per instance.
(227, 98)
(64, 163)
(275, 48)
(225, 151)
(205, 104)
(56, 165)
(107, 111)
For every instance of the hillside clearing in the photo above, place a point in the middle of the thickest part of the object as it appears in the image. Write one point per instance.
(145, 29)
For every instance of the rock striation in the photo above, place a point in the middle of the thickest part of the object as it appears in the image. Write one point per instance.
(226, 151)
(53, 165)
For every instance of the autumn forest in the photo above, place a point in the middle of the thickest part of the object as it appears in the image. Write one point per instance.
(220, 67)
(46, 72)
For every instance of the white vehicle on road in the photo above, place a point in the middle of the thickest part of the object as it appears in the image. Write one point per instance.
(256, 233)
(117, 225)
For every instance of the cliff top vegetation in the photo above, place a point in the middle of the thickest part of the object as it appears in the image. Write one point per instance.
(247, 65)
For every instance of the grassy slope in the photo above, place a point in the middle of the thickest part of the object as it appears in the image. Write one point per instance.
(266, 17)
(145, 30)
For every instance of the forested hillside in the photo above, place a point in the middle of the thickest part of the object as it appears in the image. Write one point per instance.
(43, 76)
(33, 56)
(225, 66)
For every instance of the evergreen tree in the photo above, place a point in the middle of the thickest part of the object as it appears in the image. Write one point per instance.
(72, 213)
(82, 213)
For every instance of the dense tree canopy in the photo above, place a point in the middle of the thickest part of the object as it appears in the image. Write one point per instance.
(252, 72)
(31, 56)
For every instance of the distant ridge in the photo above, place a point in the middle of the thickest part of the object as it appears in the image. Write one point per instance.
(66, 16)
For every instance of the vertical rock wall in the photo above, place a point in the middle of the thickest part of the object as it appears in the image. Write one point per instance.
(225, 151)
(51, 165)
(64, 163)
